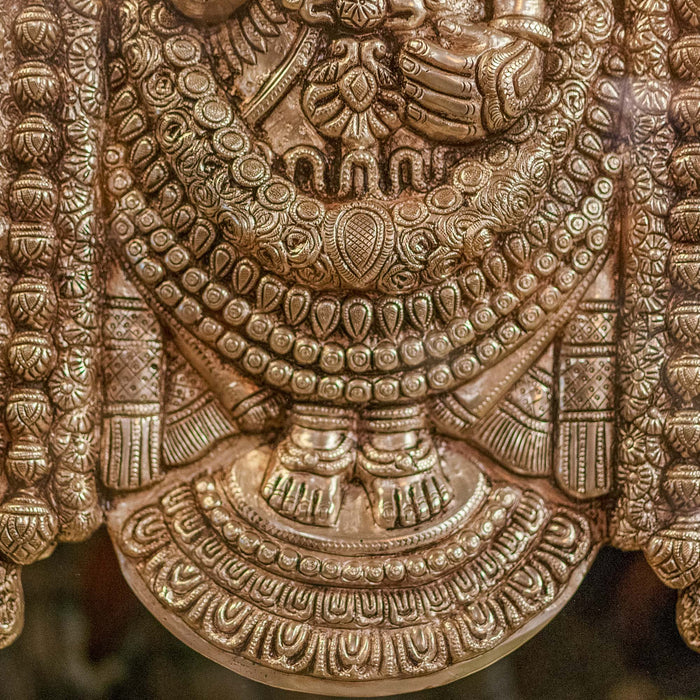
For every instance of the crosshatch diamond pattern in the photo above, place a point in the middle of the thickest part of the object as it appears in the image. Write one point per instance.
(587, 383)
(360, 234)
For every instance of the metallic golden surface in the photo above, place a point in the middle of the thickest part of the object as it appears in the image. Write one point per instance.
(362, 323)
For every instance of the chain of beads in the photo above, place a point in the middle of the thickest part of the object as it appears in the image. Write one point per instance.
(675, 550)
(32, 247)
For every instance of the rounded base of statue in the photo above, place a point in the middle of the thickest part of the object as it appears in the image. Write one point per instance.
(353, 609)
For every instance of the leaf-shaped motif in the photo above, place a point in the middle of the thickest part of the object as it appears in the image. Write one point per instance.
(357, 317)
(242, 38)
(297, 305)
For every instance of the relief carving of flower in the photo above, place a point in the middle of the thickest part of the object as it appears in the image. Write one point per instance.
(83, 311)
(238, 227)
(652, 255)
(81, 420)
(656, 454)
(442, 264)
(652, 292)
(302, 245)
(75, 197)
(79, 450)
(361, 14)
(398, 279)
(631, 407)
(92, 99)
(507, 201)
(161, 90)
(598, 22)
(272, 256)
(74, 489)
(633, 446)
(639, 481)
(267, 222)
(415, 245)
(71, 333)
(82, 61)
(140, 53)
(652, 421)
(352, 96)
(643, 513)
(320, 274)
(640, 370)
(224, 188)
(77, 281)
(82, 164)
(87, 8)
(456, 231)
(203, 195)
(69, 389)
(641, 183)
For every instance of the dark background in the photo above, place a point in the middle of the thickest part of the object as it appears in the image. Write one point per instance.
(86, 636)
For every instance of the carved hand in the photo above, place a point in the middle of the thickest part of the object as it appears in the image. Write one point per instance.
(480, 85)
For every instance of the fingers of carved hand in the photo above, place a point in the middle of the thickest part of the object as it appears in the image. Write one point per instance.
(475, 38)
(438, 80)
(460, 94)
(438, 127)
(426, 56)
(443, 101)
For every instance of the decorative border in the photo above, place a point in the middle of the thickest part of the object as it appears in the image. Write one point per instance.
(256, 605)
(645, 247)
(75, 383)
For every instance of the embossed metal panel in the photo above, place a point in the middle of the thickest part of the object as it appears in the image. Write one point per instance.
(363, 324)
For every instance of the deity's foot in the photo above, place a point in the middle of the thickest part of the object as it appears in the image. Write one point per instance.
(309, 468)
(409, 500)
(400, 467)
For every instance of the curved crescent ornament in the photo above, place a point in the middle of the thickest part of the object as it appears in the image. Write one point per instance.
(362, 324)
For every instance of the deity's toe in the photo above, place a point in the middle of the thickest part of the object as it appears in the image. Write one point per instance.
(408, 500)
(308, 498)
(309, 469)
(406, 485)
